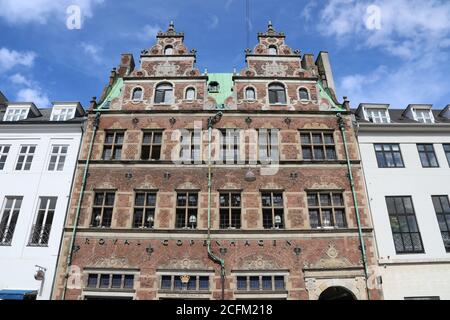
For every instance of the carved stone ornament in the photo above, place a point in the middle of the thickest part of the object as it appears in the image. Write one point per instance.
(331, 260)
(259, 262)
(273, 69)
(111, 262)
(166, 69)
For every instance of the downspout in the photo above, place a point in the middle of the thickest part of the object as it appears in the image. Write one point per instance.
(211, 255)
(341, 124)
(80, 199)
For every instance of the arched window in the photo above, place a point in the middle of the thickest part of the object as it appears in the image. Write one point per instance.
(137, 94)
(303, 94)
(250, 94)
(168, 50)
(277, 93)
(164, 93)
(272, 50)
(213, 86)
(190, 94)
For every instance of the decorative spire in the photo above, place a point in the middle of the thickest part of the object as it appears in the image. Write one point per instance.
(170, 32)
(270, 32)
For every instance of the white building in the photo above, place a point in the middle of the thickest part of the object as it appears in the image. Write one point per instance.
(38, 154)
(406, 160)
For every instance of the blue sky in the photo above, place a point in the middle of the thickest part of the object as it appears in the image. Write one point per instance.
(383, 51)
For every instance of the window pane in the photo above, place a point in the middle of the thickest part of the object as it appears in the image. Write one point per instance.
(92, 280)
(267, 283)
(279, 283)
(116, 281)
(254, 283)
(203, 283)
(166, 282)
(241, 283)
(104, 281)
(128, 281)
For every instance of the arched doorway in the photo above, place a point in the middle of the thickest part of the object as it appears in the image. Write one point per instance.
(336, 293)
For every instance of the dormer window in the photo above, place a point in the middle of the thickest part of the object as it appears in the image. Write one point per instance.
(272, 50)
(377, 115)
(168, 51)
(63, 113)
(423, 115)
(213, 87)
(16, 114)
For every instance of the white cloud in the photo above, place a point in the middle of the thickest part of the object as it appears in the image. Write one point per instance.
(93, 51)
(148, 32)
(41, 11)
(19, 79)
(11, 58)
(213, 22)
(412, 39)
(35, 95)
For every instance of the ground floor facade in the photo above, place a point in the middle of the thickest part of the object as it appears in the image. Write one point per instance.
(176, 266)
(421, 280)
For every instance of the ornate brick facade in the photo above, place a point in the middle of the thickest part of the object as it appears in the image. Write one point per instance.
(309, 260)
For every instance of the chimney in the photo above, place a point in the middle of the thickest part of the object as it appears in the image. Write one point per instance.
(93, 104)
(126, 65)
(324, 66)
(307, 61)
(346, 104)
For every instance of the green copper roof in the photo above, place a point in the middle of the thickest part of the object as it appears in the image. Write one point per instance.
(225, 81)
(325, 94)
(112, 94)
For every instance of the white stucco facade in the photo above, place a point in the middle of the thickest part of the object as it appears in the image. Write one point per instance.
(18, 259)
(408, 275)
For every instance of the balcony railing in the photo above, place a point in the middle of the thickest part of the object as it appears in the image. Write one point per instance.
(40, 235)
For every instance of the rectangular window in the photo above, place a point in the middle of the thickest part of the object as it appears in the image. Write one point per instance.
(424, 116)
(272, 210)
(185, 282)
(16, 114)
(186, 211)
(377, 115)
(389, 155)
(191, 146)
(326, 209)
(10, 214)
(40, 232)
(144, 209)
(230, 145)
(318, 145)
(268, 145)
(230, 210)
(151, 145)
(110, 281)
(58, 157)
(102, 209)
(166, 282)
(427, 155)
(260, 283)
(112, 148)
(25, 158)
(241, 283)
(63, 114)
(405, 230)
(92, 281)
(446, 150)
(4, 150)
(442, 208)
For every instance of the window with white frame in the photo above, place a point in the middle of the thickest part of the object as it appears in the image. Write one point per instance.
(25, 157)
(16, 114)
(424, 116)
(40, 232)
(190, 94)
(58, 157)
(9, 216)
(377, 115)
(4, 150)
(250, 94)
(63, 114)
